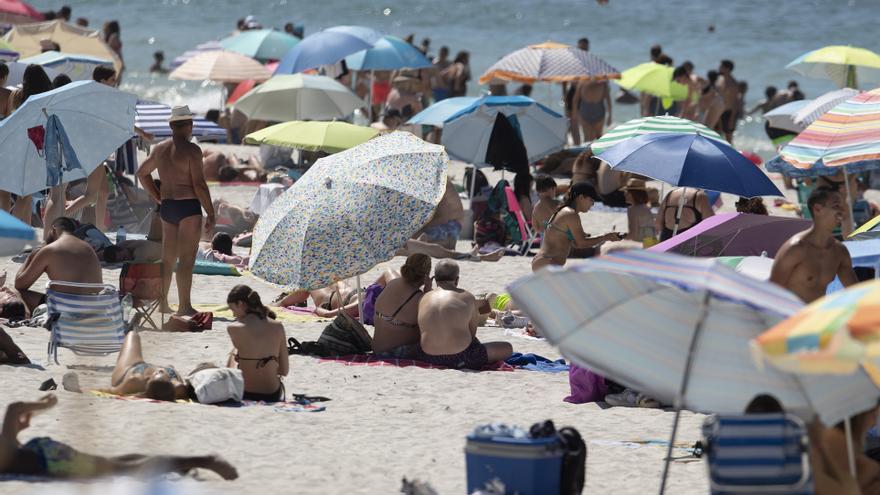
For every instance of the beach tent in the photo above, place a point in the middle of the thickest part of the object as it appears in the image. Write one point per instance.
(25, 38)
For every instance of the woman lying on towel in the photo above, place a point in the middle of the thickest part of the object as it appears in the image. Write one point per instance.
(260, 346)
(331, 301)
(42, 456)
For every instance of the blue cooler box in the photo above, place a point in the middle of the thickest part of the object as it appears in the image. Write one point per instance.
(526, 466)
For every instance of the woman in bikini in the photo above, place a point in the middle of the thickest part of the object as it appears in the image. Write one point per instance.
(564, 229)
(132, 375)
(396, 310)
(695, 209)
(260, 346)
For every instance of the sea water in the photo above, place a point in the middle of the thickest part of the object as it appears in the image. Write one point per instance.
(760, 36)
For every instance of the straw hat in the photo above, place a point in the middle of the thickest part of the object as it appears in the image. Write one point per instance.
(180, 113)
(635, 185)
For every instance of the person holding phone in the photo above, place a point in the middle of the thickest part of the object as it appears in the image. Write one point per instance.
(564, 230)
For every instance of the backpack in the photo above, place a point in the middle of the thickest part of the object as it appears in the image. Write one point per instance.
(94, 237)
(344, 336)
(574, 457)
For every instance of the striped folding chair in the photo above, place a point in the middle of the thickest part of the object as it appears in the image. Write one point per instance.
(528, 236)
(757, 453)
(88, 324)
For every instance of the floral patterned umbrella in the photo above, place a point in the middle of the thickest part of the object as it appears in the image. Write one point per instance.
(349, 212)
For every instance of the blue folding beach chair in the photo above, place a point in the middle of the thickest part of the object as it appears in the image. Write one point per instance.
(88, 324)
(757, 453)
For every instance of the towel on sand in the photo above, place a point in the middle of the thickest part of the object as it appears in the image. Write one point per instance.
(284, 315)
(534, 362)
(287, 406)
(371, 360)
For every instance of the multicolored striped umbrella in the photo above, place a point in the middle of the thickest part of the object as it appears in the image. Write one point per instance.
(844, 65)
(835, 334)
(847, 136)
(550, 61)
(648, 125)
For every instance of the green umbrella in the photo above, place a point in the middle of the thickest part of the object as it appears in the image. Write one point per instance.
(261, 44)
(331, 137)
(647, 125)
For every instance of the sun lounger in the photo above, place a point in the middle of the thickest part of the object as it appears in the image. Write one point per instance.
(757, 453)
(88, 324)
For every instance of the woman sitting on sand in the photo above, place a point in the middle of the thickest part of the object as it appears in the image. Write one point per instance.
(564, 229)
(396, 309)
(260, 346)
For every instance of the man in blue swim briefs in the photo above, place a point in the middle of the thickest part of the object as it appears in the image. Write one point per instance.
(183, 195)
(444, 227)
(447, 321)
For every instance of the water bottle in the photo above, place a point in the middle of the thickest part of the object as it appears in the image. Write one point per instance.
(120, 235)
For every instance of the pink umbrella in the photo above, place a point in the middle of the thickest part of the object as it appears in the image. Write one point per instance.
(734, 234)
(18, 12)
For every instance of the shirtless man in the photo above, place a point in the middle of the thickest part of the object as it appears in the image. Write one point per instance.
(445, 226)
(591, 107)
(810, 260)
(184, 193)
(448, 326)
(64, 258)
(729, 89)
(547, 202)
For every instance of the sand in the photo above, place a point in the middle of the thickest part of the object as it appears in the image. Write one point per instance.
(383, 423)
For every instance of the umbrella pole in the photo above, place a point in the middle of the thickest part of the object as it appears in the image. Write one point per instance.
(849, 202)
(679, 399)
(360, 300)
(847, 428)
(678, 211)
(473, 185)
(370, 98)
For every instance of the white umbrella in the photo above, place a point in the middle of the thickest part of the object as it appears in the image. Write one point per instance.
(16, 72)
(820, 106)
(220, 66)
(77, 67)
(299, 97)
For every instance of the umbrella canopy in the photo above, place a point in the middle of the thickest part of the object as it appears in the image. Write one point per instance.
(243, 87)
(734, 234)
(633, 328)
(756, 267)
(847, 136)
(649, 125)
(18, 12)
(869, 230)
(388, 53)
(845, 65)
(72, 39)
(14, 234)
(467, 134)
(782, 117)
(96, 119)
(220, 66)
(331, 137)
(153, 117)
(690, 160)
(438, 112)
(654, 79)
(16, 73)
(349, 211)
(299, 97)
(327, 47)
(550, 61)
(208, 46)
(261, 44)
(77, 67)
(821, 105)
(832, 335)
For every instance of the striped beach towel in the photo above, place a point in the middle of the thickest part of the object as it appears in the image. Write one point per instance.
(88, 324)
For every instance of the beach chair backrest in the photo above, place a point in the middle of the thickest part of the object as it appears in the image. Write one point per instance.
(142, 280)
(89, 324)
(516, 211)
(757, 453)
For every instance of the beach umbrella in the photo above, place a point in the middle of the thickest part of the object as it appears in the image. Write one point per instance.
(327, 47)
(77, 67)
(208, 46)
(15, 235)
(654, 79)
(95, 118)
(243, 87)
(349, 211)
(438, 112)
(16, 73)
(299, 97)
(18, 12)
(678, 330)
(7, 52)
(552, 62)
(331, 137)
(869, 230)
(468, 134)
(845, 65)
(756, 267)
(648, 125)
(734, 234)
(152, 117)
(821, 105)
(220, 66)
(261, 44)
(72, 39)
(782, 117)
(388, 53)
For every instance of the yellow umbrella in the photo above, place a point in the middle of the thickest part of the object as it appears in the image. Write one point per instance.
(840, 64)
(25, 39)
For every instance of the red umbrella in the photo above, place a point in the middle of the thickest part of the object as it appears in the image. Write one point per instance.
(18, 12)
(245, 86)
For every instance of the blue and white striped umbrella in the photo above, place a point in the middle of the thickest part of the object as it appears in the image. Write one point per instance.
(637, 316)
(466, 134)
(153, 117)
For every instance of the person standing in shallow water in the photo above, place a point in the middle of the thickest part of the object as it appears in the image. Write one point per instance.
(183, 195)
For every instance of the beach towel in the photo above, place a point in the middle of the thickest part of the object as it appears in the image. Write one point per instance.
(294, 405)
(285, 315)
(372, 360)
(516, 332)
(534, 362)
(586, 386)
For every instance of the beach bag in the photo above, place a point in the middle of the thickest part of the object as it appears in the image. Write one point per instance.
(586, 386)
(345, 336)
(574, 461)
(216, 385)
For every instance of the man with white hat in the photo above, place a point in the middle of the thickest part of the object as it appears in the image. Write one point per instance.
(183, 195)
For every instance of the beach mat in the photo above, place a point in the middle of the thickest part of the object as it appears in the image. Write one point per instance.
(213, 268)
(371, 360)
(284, 315)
